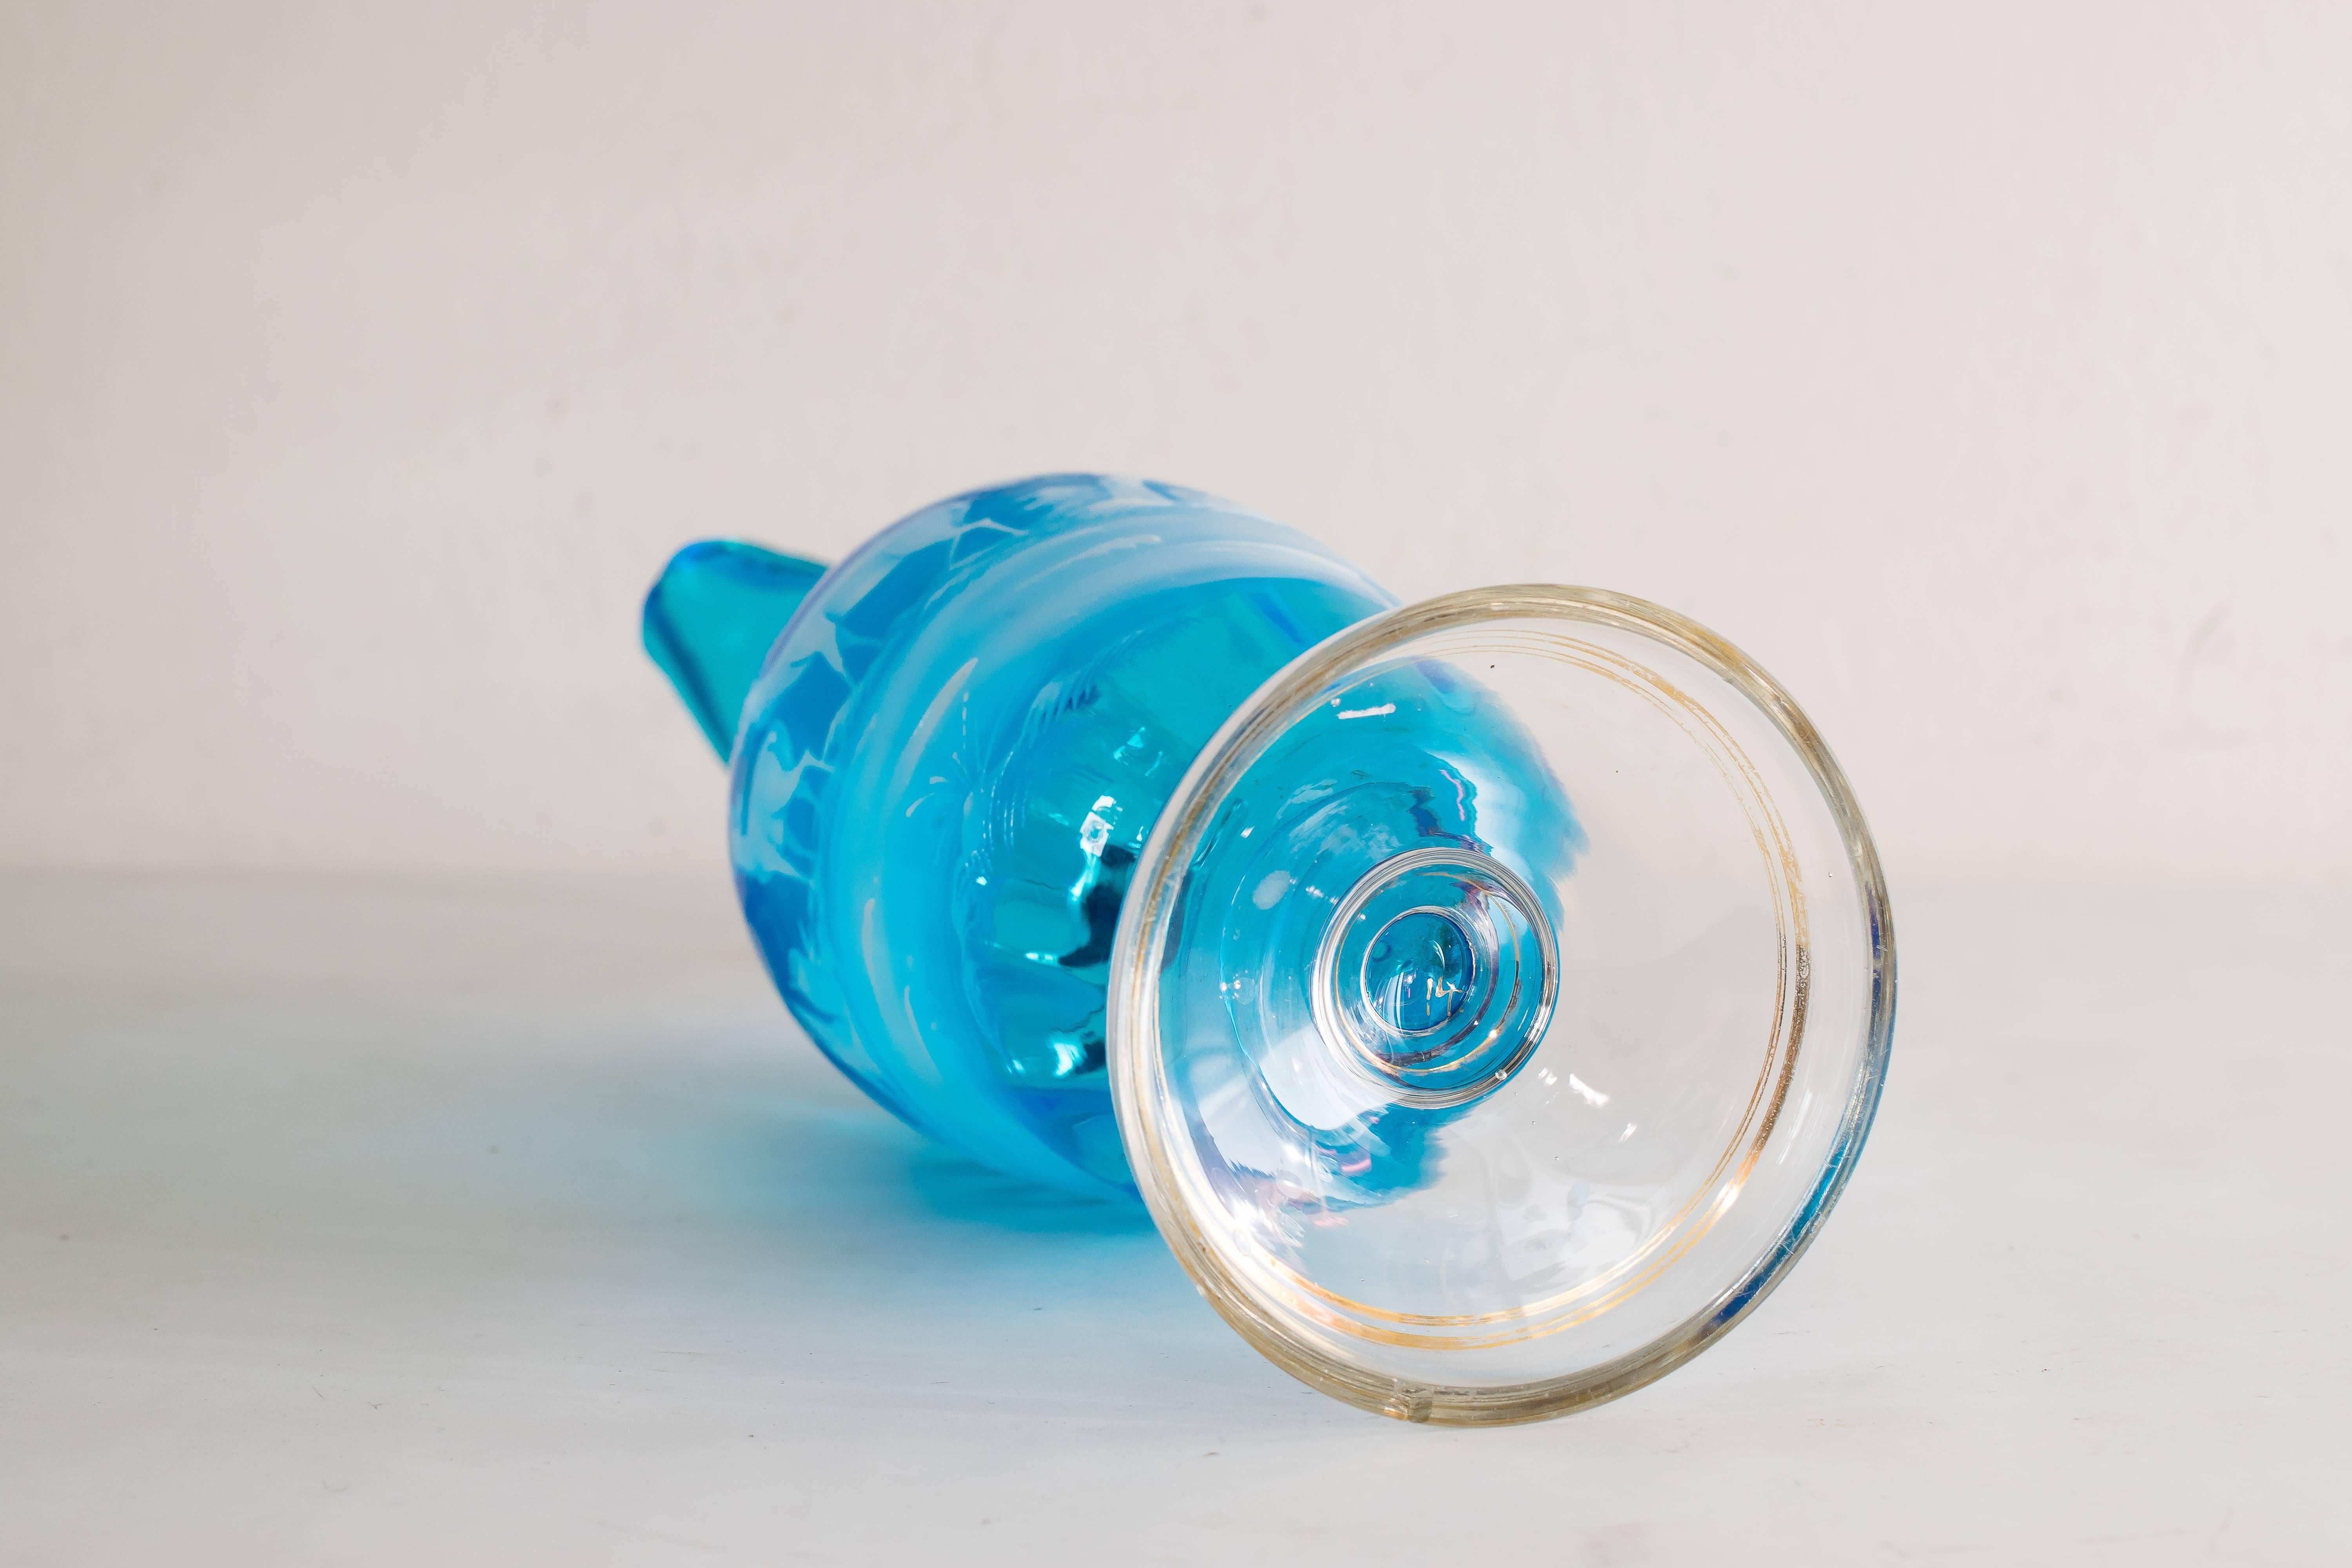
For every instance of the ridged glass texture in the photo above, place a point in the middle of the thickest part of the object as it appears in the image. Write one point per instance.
(951, 761)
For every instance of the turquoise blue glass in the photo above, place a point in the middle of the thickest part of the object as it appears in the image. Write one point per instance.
(948, 750)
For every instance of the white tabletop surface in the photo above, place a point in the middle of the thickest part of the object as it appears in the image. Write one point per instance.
(511, 1221)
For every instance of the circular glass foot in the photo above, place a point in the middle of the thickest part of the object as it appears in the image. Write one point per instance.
(1499, 1004)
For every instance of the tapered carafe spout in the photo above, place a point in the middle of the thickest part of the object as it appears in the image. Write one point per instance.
(711, 619)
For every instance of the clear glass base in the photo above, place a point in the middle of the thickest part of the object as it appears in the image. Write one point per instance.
(1487, 1129)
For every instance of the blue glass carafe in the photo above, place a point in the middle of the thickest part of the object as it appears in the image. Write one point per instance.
(1486, 995)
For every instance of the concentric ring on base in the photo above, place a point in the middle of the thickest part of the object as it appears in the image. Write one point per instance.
(1490, 934)
(1500, 1001)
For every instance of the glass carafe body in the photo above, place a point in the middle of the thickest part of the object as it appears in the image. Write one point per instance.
(1488, 996)
(949, 764)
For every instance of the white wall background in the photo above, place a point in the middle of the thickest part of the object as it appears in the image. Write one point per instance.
(1985, 371)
